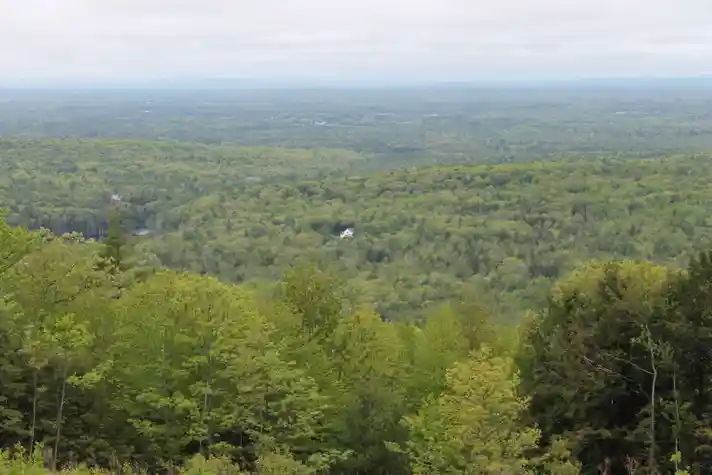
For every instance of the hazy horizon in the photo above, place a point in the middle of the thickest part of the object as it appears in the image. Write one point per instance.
(320, 41)
(182, 83)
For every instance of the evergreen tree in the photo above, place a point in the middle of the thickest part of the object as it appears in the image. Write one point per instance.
(114, 252)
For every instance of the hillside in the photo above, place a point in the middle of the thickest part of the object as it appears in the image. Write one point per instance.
(143, 372)
(66, 184)
(433, 233)
(501, 232)
(528, 288)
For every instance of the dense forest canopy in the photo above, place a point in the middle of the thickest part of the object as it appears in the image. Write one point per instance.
(425, 235)
(65, 184)
(527, 289)
(422, 235)
(114, 363)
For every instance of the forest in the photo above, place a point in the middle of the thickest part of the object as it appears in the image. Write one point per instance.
(111, 363)
(422, 235)
(527, 289)
(400, 127)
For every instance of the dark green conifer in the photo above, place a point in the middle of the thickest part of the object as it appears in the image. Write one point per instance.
(114, 252)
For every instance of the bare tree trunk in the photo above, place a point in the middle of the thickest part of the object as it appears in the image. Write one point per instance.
(207, 406)
(34, 412)
(677, 419)
(48, 457)
(60, 411)
(652, 465)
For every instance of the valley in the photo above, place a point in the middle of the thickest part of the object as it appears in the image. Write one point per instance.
(349, 282)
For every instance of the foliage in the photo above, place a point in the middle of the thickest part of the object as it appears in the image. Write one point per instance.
(471, 428)
(616, 364)
(67, 185)
(382, 354)
(179, 369)
(423, 236)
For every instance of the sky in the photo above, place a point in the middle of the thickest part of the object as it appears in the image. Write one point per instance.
(428, 40)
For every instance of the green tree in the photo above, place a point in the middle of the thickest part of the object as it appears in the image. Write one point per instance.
(69, 341)
(55, 280)
(474, 426)
(587, 376)
(114, 252)
(370, 370)
(15, 243)
(316, 298)
(687, 325)
(196, 364)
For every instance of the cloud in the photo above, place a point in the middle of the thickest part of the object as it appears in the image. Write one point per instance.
(348, 38)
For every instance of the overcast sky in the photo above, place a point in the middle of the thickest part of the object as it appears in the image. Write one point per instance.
(352, 39)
